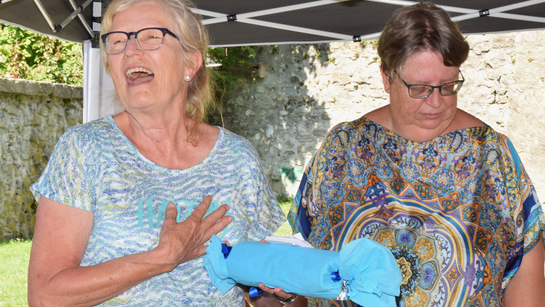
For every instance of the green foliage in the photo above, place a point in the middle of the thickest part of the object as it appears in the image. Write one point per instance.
(14, 257)
(31, 56)
(234, 65)
(232, 60)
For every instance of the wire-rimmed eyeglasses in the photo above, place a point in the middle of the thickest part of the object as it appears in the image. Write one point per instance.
(147, 39)
(421, 91)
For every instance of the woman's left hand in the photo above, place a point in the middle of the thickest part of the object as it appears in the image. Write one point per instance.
(267, 299)
(281, 294)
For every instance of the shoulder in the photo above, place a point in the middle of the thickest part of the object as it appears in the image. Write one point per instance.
(85, 134)
(496, 148)
(464, 120)
(344, 131)
(380, 116)
(236, 144)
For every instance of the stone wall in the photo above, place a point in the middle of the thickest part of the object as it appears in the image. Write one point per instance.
(309, 88)
(33, 115)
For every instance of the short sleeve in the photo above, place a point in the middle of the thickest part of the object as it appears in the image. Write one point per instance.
(527, 208)
(534, 222)
(69, 175)
(531, 207)
(268, 214)
(259, 210)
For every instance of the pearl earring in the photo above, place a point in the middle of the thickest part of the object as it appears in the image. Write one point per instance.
(188, 78)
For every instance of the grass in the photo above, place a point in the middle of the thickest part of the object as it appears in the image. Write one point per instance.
(285, 229)
(14, 256)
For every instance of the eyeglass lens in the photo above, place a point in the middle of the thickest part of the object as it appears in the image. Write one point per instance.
(147, 39)
(423, 91)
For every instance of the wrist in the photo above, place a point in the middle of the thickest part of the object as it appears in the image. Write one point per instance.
(160, 258)
(285, 301)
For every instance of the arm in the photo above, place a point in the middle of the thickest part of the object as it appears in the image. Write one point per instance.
(60, 239)
(527, 288)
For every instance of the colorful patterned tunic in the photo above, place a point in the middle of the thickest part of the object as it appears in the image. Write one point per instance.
(458, 212)
(95, 167)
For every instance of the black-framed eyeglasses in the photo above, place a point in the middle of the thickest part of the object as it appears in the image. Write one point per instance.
(147, 39)
(421, 91)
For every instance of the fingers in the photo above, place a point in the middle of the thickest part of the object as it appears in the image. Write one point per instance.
(171, 212)
(215, 221)
(216, 228)
(282, 294)
(265, 288)
(201, 209)
(277, 291)
(217, 214)
(221, 224)
(202, 250)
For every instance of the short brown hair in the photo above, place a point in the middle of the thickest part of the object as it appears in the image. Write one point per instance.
(420, 27)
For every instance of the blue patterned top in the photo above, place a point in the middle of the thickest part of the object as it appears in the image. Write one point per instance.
(458, 212)
(96, 168)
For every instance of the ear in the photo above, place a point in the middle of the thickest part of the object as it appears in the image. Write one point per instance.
(195, 65)
(385, 80)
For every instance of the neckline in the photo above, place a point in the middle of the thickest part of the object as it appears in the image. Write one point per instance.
(391, 133)
(154, 165)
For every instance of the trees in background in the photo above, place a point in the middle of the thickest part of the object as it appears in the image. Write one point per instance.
(31, 56)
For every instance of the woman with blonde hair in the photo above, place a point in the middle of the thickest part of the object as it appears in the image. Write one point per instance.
(128, 202)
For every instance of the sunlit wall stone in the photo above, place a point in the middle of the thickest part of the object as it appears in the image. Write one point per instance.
(310, 88)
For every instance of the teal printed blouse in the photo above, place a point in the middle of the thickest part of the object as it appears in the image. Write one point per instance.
(94, 167)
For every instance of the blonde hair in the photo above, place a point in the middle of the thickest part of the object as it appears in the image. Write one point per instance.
(193, 37)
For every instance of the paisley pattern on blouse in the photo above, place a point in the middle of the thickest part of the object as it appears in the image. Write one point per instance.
(457, 212)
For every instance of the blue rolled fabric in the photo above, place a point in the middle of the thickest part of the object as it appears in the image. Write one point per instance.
(369, 270)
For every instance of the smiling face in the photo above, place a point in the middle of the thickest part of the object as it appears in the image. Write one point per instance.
(421, 119)
(149, 80)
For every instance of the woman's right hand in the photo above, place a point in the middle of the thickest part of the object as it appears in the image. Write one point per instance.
(184, 241)
(60, 238)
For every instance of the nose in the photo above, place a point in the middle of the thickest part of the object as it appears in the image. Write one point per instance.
(133, 47)
(435, 99)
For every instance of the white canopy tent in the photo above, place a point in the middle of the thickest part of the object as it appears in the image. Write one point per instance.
(264, 22)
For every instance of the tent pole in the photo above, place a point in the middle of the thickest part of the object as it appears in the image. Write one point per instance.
(58, 28)
(45, 14)
(91, 82)
(82, 19)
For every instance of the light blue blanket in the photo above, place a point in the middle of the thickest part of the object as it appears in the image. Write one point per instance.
(369, 270)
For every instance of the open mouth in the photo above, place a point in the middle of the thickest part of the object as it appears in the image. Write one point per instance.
(139, 75)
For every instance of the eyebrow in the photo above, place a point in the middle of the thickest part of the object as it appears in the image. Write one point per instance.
(440, 81)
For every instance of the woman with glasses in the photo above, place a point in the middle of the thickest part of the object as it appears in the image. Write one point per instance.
(443, 191)
(128, 202)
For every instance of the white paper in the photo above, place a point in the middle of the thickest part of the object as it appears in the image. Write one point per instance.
(295, 240)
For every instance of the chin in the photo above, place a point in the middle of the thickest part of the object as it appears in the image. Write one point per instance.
(138, 103)
(431, 125)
